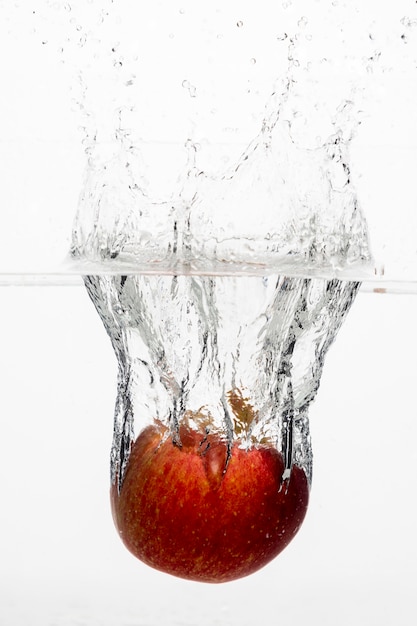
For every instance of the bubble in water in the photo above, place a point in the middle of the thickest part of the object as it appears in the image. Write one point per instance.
(191, 88)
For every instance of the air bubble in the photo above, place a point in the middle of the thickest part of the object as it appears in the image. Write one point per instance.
(408, 22)
(191, 88)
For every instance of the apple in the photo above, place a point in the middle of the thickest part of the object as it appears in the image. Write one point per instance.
(198, 509)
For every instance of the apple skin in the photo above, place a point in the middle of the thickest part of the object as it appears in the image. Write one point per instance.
(192, 511)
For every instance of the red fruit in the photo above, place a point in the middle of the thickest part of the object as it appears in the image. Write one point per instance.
(188, 511)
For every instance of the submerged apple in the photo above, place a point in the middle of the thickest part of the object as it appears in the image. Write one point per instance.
(197, 510)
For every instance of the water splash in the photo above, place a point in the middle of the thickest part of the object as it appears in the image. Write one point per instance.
(286, 202)
(198, 348)
(173, 232)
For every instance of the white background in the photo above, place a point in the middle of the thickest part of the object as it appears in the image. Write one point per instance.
(62, 563)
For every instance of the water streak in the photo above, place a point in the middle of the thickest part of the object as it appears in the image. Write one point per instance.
(207, 349)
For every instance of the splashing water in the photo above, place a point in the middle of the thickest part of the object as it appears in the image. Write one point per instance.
(219, 229)
(213, 264)
(281, 199)
(200, 345)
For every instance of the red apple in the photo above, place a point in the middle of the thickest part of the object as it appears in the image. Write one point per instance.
(194, 511)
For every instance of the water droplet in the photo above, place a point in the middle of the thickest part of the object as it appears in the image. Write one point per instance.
(253, 61)
(406, 21)
(191, 88)
(239, 23)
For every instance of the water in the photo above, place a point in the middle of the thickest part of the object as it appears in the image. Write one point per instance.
(194, 347)
(276, 197)
(223, 269)
(222, 265)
